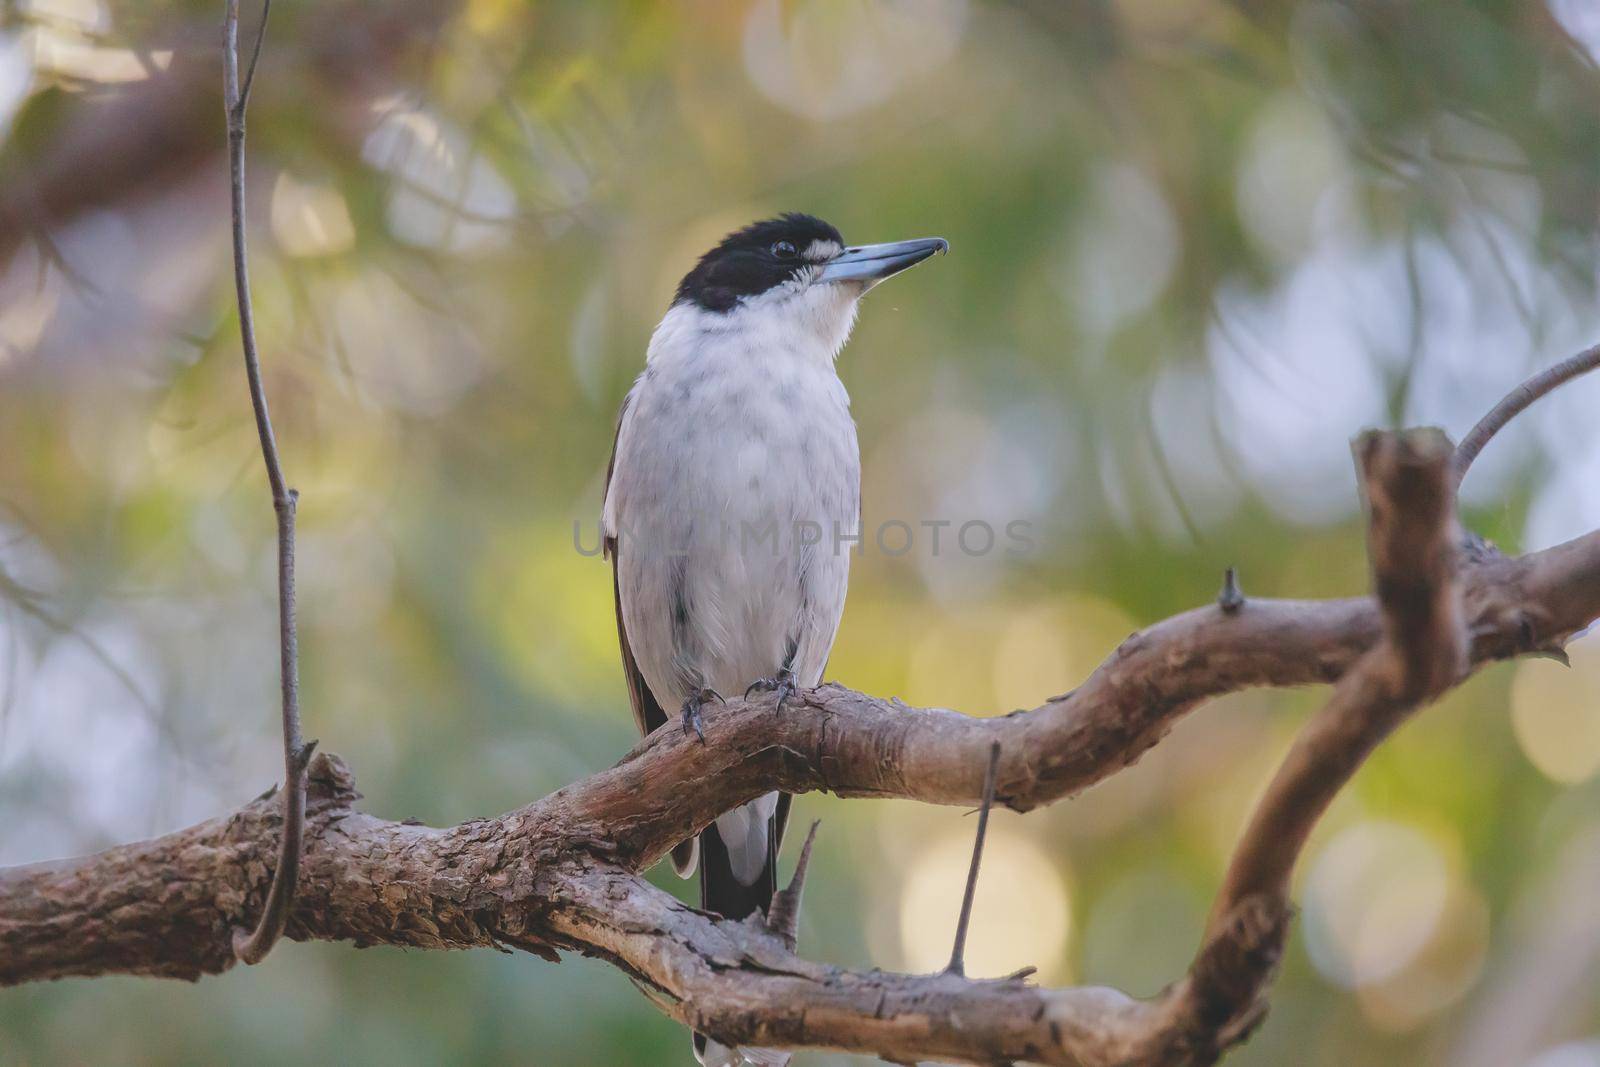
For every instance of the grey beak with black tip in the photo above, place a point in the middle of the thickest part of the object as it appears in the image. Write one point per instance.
(871, 264)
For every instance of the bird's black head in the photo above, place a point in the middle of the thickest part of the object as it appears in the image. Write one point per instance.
(751, 261)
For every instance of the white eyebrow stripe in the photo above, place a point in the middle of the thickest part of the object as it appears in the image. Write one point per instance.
(823, 249)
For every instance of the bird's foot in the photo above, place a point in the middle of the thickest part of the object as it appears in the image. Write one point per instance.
(784, 685)
(691, 711)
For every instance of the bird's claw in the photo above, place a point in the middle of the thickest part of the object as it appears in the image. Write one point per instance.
(784, 685)
(691, 711)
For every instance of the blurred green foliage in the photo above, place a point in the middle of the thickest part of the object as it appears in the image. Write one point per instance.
(1196, 247)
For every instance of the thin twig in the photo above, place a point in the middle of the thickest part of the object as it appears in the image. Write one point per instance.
(255, 57)
(958, 954)
(1517, 401)
(1231, 599)
(1412, 541)
(253, 946)
(783, 915)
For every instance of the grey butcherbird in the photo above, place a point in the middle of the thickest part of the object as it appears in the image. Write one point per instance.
(734, 477)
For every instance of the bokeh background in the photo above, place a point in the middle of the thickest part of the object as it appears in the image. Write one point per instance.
(1196, 247)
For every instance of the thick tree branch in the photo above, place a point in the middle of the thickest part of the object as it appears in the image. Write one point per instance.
(835, 740)
(1414, 544)
(1413, 547)
(562, 872)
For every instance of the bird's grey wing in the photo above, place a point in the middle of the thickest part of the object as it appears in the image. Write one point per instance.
(647, 711)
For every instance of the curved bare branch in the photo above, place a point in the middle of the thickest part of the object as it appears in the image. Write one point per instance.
(1518, 401)
(252, 944)
(562, 872)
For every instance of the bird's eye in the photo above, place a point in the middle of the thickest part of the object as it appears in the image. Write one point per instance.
(783, 250)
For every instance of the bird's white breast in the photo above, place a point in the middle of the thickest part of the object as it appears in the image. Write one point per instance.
(736, 448)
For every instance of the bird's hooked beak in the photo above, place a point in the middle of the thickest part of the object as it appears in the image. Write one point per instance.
(871, 264)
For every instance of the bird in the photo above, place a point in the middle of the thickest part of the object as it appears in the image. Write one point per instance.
(732, 500)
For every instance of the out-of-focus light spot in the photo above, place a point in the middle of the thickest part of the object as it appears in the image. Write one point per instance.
(27, 309)
(64, 54)
(1165, 20)
(1219, 805)
(1296, 373)
(112, 442)
(87, 16)
(400, 353)
(570, 658)
(1374, 899)
(310, 218)
(952, 465)
(825, 59)
(1299, 368)
(26, 563)
(1290, 162)
(1581, 19)
(1124, 251)
(1566, 505)
(1010, 656)
(948, 661)
(1030, 660)
(1566, 425)
(1180, 413)
(97, 683)
(445, 194)
(871, 652)
(1020, 914)
(1574, 1053)
(484, 17)
(1051, 648)
(1440, 974)
(1471, 286)
(16, 76)
(1138, 473)
(216, 534)
(1555, 713)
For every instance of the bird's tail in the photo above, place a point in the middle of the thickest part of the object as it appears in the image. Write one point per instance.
(722, 893)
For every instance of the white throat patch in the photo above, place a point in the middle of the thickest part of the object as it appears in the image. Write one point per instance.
(800, 317)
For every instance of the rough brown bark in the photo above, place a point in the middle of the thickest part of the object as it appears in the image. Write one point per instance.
(836, 740)
(1408, 482)
(562, 872)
